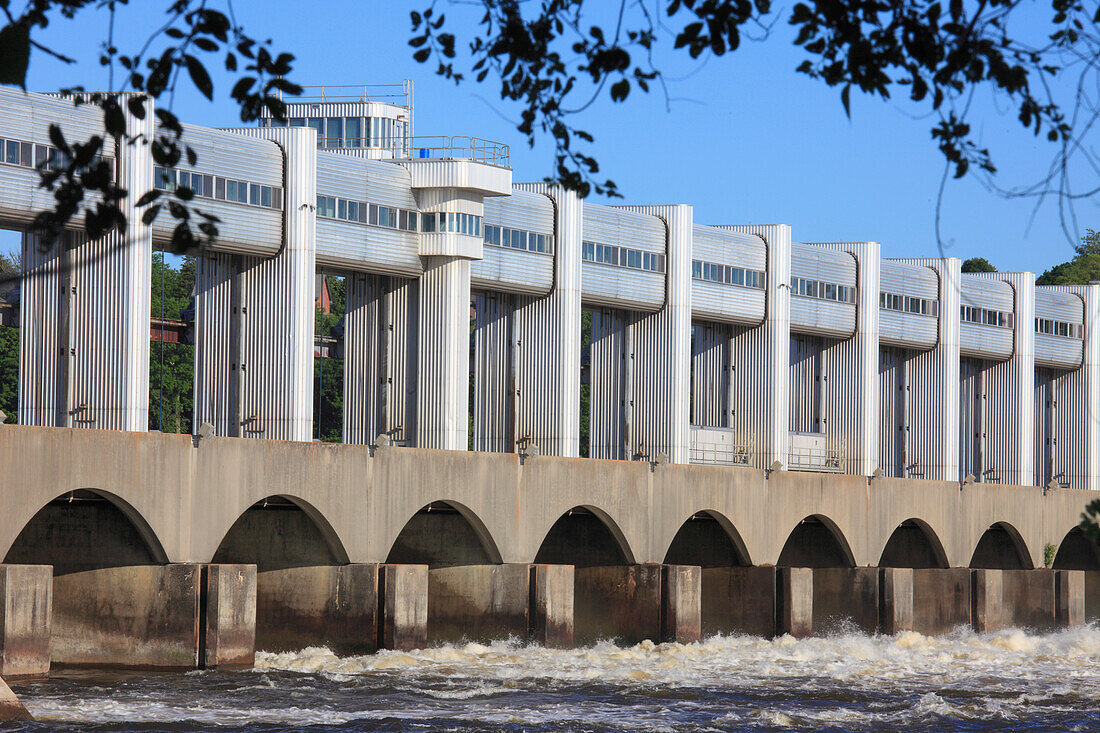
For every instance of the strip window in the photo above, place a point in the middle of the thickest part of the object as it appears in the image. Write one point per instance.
(351, 132)
(822, 290)
(634, 259)
(362, 212)
(908, 304)
(986, 317)
(727, 274)
(32, 155)
(1051, 327)
(498, 236)
(218, 188)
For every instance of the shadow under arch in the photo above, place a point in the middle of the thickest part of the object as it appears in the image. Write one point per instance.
(913, 544)
(281, 531)
(1077, 552)
(708, 539)
(585, 536)
(816, 542)
(444, 533)
(1001, 547)
(86, 529)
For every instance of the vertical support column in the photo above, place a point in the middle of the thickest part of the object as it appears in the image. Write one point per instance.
(494, 373)
(443, 355)
(547, 404)
(852, 412)
(363, 356)
(551, 605)
(760, 357)
(896, 594)
(83, 300)
(1069, 598)
(403, 607)
(660, 360)
(681, 603)
(794, 601)
(228, 608)
(254, 373)
(987, 600)
(932, 382)
(1010, 386)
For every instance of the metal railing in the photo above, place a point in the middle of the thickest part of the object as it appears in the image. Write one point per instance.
(400, 94)
(721, 454)
(829, 460)
(459, 147)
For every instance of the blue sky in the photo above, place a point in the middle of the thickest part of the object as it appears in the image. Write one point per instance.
(744, 139)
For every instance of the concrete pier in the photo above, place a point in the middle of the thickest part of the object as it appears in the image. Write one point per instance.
(631, 603)
(794, 601)
(478, 602)
(228, 628)
(552, 603)
(739, 600)
(941, 599)
(681, 603)
(895, 600)
(26, 601)
(986, 600)
(843, 597)
(1029, 599)
(1069, 588)
(403, 606)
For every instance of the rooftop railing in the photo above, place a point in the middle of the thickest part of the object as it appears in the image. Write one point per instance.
(459, 147)
(400, 94)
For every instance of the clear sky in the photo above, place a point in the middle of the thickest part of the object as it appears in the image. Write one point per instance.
(744, 138)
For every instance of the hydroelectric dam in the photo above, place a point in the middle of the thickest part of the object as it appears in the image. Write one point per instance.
(782, 436)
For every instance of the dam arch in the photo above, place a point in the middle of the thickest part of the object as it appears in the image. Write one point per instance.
(707, 539)
(1001, 547)
(279, 532)
(584, 536)
(913, 544)
(1077, 552)
(816, 542)
(442, 534)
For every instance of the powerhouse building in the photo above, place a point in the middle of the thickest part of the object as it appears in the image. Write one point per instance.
(467, 296)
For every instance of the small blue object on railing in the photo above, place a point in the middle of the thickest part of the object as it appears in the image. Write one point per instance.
(424, 153)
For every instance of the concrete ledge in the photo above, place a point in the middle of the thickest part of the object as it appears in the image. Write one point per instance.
(941, 599)
(1092, 595)
(551, 611)
(141, 616)
(335, 606)
(403, 606)
(229, 607)
(26, 602)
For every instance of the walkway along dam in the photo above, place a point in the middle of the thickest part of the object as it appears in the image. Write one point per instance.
(150, 550)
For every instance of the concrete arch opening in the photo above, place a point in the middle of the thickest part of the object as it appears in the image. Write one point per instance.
(816, 542)
(306, 594)
(444, 534)
(913, 544)
(584, 537)
(1077, 552)
(1001, 548)
(111, 584)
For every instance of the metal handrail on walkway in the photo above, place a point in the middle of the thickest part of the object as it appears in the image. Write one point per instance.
(721, 454)
(390, 93)
(460, 147)
(829, 460)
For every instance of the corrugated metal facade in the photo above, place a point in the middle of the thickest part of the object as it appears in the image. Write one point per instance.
(710, 374)
(512, 270)
(760, 357)
(609, 286)
(443, 356)
(721, 303)
(494, 372)
(905, 329)
(1052, 349)
(815, 316)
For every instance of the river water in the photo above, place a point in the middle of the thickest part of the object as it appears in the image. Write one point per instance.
(961, 681)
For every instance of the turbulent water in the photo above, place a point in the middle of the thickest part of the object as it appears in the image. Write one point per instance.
(963, 681)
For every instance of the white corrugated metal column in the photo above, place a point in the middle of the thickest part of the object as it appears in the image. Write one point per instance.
(661, 358)
(852, 410)
(493, 372)
(443, 394)
(1010, 392)
(1077, 425)
(932, 381)
(260, 312)
(548, 375)
(760, 356)
(362, 354)
(85, 358)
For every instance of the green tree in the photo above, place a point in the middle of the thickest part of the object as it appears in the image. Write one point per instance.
(1082, 269)
(9, 373)
(1090, 243)
(171, 366)
(978, 264)
(328, 372)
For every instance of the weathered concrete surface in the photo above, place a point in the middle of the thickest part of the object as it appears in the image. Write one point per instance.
(941, 599)
(144, 616)
(896, 600)
(844, 597)
(794, 601)
(620, 602)
(1092, 595)
(478, 602)
(1028, 599)
(229, 607)
(185, 498)
(10, 707)
(552, 605)
(26, 599)
(681, 603)
(1069, 585)
(738, 600)
(403, 606)
(987, 600)
(335, 606)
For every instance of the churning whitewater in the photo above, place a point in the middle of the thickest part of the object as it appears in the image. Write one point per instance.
(963, 681)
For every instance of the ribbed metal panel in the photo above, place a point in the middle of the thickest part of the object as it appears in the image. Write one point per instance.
(43, 339)
(361, 179)
(1009, 385)
(815, 262)
(275, 327)
(851, 405)
(215, 363)
(710, 369)
(1054, 351)
(608, 365)
(513, 271)
(982, 341)
(892, 400)
(907, 330)
(443, 373)
(493, 372)
(902, 278)
(549, 348)
(727, 303)
(813, 316)
(105, 380)
(972, 425)
(932, 382)
(607, 286)
(759, 357)
(805, 388)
